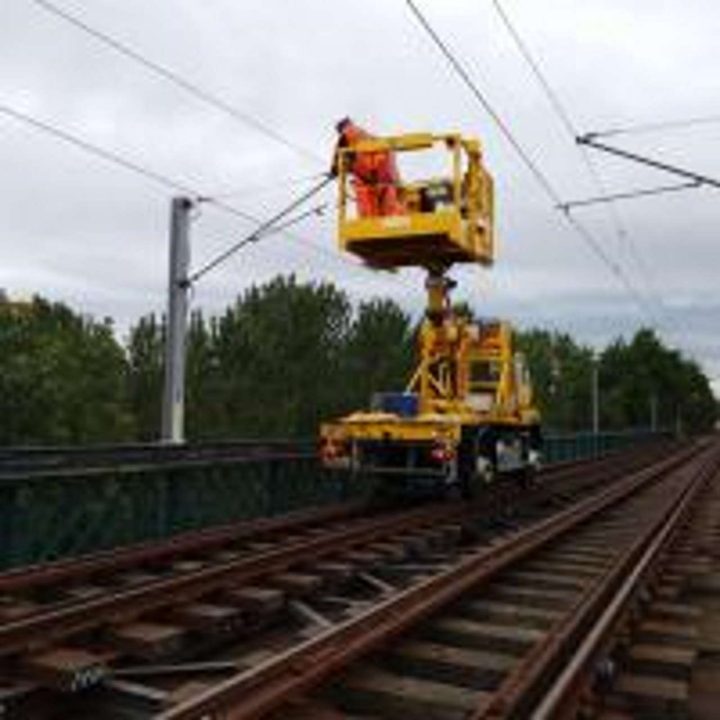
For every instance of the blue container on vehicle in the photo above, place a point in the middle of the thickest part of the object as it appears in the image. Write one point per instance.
(399, 403)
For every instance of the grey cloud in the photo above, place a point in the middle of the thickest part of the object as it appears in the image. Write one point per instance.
(77, 229)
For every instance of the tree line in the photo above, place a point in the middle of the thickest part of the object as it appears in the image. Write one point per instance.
(287, 355)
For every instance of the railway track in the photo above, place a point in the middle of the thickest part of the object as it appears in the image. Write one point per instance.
(659, 644)
(34, 580)
(483, 637)
(124, 634)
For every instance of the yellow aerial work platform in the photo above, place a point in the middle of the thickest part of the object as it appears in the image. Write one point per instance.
(440, 221)
(467, 413)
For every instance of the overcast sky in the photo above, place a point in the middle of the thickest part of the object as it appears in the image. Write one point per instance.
(79, 229)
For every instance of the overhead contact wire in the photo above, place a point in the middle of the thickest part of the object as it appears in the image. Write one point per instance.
(659, 126)
(557, 106)
(264, 228)
(465, 76)
(175, 78)
(96, 150)
(572, 130)
(540, 177)
(166, 181)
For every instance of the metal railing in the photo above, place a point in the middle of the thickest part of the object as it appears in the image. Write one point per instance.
(559, 447)
(50, 513)
(62, 502)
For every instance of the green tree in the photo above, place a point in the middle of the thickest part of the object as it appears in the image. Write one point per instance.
(279, 354)
(379, 352)
(63, 377)
(643, 377)
(561, 371)
(288, 355)
(145, 375)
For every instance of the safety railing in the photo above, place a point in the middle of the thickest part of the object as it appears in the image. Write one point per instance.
(49, 514)
(559, 447)
(54, 505)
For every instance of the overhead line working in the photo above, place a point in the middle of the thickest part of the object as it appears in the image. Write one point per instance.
(176, 79)
(572, 130)
(557, 106)
(659, 126)
(96, 150)
(168, 182)
(264, 228)
(536, 70)
(631, 194)
(541, 178)
(590, 140)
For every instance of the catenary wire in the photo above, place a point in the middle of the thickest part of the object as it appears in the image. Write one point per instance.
(317, 210)
(267, 188)
(170, 183)
(266, 227)
(573, 132)
(470, 84)
(631, 194)
(96, 150)
(555, 102)
(210, 99)
(539, 175)
(176, 79)
(659, 126)
(609, 199)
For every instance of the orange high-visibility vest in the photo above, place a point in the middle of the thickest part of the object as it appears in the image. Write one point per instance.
(375, 177)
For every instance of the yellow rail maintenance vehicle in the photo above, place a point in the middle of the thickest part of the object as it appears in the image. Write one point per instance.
(467, 413)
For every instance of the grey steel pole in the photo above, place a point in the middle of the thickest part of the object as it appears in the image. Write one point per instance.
(595, 396)
(173, 409)
(653, 411)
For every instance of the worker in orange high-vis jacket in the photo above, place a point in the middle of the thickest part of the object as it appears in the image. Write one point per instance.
(375, 176)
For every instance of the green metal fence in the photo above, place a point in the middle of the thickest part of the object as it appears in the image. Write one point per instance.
(46, 514)
(561, 447)
(49, 515)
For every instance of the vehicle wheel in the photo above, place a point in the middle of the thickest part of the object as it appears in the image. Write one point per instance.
(478, 482)
(526, 477)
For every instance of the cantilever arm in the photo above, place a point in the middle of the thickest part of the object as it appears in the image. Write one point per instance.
(590, 140)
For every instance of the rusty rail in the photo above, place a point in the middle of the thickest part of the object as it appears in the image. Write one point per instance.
(69, 619)
(613, 601)
(589, 622)
(267, 687)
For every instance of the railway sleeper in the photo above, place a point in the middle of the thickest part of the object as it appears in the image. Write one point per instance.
(537, 597)
(370, 690)
(509, 613)
(461, 632)
(467, 667)
(147, 640)
(66, 669)
(207, 617)
(546, 580)
(650, 697)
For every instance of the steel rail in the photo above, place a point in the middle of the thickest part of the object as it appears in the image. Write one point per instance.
(267, 687)
(64, 620)
(563, 692)
(519, 691)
